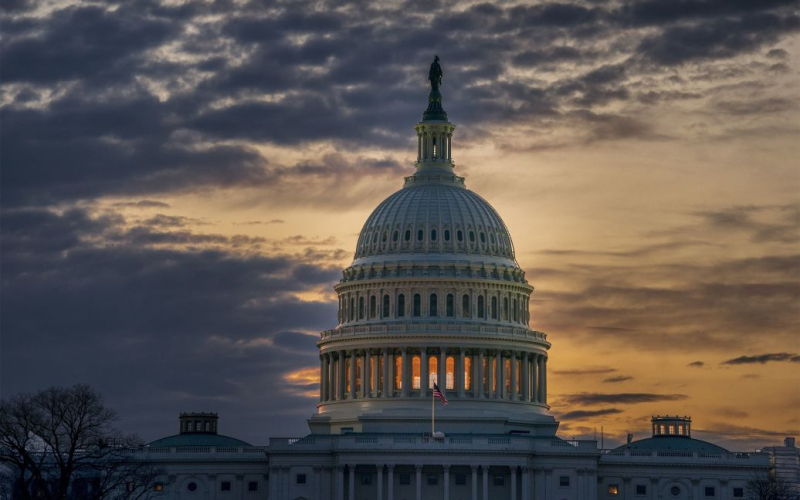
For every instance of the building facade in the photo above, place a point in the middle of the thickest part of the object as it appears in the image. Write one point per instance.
(435, 298)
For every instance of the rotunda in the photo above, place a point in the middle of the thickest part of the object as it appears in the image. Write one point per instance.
(434, 295)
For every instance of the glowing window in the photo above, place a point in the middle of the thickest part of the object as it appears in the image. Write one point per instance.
(519, 377)
(662, 429)
(433, 309)
(433, 369)
(417, 305)
(416, 375)
(401, 305)
(613, 489)
(508, 376)
(347, 374)
(358, 374)
(467, 374)
(450, 363)
(494, 370)
(671, 430)
(680, 430)
(398, 372)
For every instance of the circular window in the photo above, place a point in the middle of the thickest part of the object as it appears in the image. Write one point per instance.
(191, 486)
(675, 491)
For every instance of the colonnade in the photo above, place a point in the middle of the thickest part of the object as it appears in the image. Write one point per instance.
(477, 373)
(435, 145)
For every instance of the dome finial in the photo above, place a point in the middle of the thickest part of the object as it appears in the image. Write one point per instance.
(435, 110)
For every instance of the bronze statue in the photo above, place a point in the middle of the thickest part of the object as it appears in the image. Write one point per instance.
(435, 74)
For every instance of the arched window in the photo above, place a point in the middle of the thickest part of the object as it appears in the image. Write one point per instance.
(481, 307)
(459, 235)
(373, 307)
(417, 305)
(483, 238)
(505, 308)
(420, 234)
(519, 376)
(359, 370)
(465, 306)
(494, 370)
(401, 305)
(361, 308)
(407, 236)
(486, 367)
(472, 236)
(433, 371)
(398, 373)
(508, 376)
(385, 306)
(433, 309)
(433, 235)
(347, 374)
(446, 235)
(352, 308)
(514, 310)
(467, 373)
(494, 307)
(450, 367)
(395, 235)
(415, 373)
(450, 305)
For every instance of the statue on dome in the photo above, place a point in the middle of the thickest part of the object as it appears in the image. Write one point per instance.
(435, 73)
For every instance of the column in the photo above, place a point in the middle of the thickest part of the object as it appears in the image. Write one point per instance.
(404, 376)
(540, 367)
(419, 482)
(449, 146)
(376, 374)
(461, 374)
(386, 385)
(351, 487)
(513, 376)
(379, 476)
(390, 482)
(526, 482)
(489, 375)
(535, 378)
(317, 483)
(274, 480)
(513, 482)
(342, 366)
(339, 482)
(485, 470)
(544, 380)
(423, 372)
(366, 389)
(501, 376)
(442, 377)
(285, 474)
(323, 378)
(474, 482)
(477, 377)
(353, 372)
(446, 482)
(526, 378)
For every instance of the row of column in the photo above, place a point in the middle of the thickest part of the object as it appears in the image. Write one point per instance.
(536, 482)
(349, 374)
(443, 146)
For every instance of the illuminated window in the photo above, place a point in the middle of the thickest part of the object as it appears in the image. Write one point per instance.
(613, 489)
(451, 370)
(508, 376)
(465, 306)
(347, 374)
(417, 305)
(433, 368)
(385, 306)
(401, 305)
(416, 375)
(358, 374)
(671, 430)
(373, 306)
(494, 307)
(158, 487)
(467, 373)
(662, 429)
(485, 368)
(519, 376)
(481, 307)
(680, 430)
(398, 372)
(494, 370)
(450, 306)
(433, 309)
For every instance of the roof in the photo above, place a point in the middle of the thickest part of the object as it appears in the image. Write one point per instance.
(199, 439)
(673, 443)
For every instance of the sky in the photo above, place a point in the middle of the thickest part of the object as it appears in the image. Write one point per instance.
(182, 183)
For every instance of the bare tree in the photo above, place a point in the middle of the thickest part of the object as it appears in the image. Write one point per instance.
(768, 487)
(60, 444)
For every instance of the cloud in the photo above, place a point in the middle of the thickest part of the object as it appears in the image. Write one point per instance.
(583, 414)
(763, 359)
(615, 380)
(696, 364)
(589, 371)
(590, 398)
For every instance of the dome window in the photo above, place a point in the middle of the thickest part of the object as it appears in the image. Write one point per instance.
(373, 307)
(494, 307)
(472, 236)
(417, 305)
(408, 235)
(361, 308)
(385, 306)
(459, 235)
(352, 308)
(491, 237)
(446, 235)
(401, 305)
(433, 235)
(481, 306)
(505, 308)
(395, 236)
(465, 306)
(433, 305)
(483, 238)
(450, 305)
(420, 234)
(385, 237)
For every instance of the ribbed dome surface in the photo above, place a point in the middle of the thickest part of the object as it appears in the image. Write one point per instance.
(435, 217)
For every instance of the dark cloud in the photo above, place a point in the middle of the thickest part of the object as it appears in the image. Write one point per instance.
(589, 371)
(696, 364)
(763, 359)
(583, 414)
(588, 398)
(616, 380)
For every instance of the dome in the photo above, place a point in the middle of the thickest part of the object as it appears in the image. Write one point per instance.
(434, 214)
(673, 443)
(196, 440)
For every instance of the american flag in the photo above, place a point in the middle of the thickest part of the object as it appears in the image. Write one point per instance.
(438, 394)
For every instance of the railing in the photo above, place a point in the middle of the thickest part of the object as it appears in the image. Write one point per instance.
(702, 455)
(201, 450)
(362, 330)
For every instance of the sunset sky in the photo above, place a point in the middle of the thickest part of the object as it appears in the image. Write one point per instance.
(183, 182)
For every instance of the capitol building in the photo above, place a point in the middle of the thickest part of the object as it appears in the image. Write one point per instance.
(435, 300)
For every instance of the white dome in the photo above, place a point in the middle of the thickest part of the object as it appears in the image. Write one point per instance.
(434, 214)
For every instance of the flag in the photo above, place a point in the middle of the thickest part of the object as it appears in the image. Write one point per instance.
(438, 394)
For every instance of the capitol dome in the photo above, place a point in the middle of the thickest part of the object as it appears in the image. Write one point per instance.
(434, 298)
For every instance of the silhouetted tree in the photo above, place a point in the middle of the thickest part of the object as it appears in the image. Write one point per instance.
(768, 487)
(59, 444)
